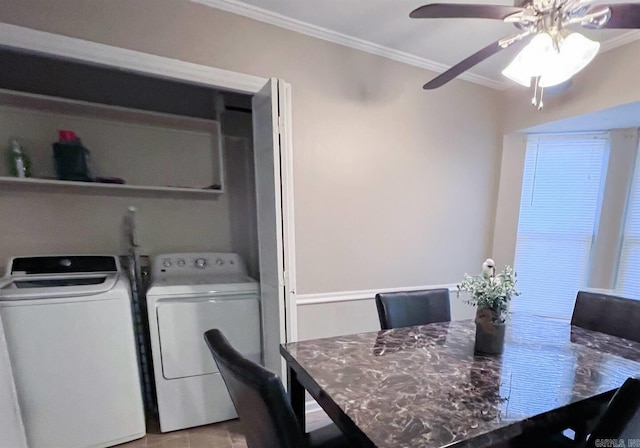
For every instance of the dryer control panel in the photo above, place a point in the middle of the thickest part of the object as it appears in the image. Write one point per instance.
(195, 263)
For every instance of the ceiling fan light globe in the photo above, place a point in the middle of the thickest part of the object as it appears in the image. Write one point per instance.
(532, 60)
(542, 54)
(576, 52)
(514, 73)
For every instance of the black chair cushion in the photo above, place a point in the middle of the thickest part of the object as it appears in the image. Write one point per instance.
(607, 314)
(406, 309)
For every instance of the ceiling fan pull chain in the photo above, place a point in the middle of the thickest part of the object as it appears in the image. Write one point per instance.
(534, 100)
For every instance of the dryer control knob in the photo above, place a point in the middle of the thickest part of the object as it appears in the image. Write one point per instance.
(201, 263)
(219, 262)
(181, 262)
(167, 263)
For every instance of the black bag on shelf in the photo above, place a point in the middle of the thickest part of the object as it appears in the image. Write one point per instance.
(71, 160)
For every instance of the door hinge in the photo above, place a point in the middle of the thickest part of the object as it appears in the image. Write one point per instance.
(280, 125)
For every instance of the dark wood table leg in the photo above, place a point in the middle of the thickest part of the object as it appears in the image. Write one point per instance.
(296, 397)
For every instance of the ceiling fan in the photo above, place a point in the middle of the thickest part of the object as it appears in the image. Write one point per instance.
(553, 49)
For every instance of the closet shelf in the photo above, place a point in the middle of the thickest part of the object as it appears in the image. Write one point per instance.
(64, 106)
(60, 186)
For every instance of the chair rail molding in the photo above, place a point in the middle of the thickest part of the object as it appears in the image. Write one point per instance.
(367, 294)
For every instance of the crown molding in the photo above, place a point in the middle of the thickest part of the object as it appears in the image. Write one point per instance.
(282, 21)
(619, 41)
(279, 20)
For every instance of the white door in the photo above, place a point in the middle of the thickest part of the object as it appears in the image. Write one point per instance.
(268, 105)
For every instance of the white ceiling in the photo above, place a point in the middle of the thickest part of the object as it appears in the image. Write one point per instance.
(384, 27)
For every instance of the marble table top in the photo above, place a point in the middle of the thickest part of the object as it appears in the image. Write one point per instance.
(424, 387)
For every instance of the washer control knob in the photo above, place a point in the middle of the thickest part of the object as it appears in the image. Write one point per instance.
(167, 263)
(201, 263)
(219, 262)
(181, 263)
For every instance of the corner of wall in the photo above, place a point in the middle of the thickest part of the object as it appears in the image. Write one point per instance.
(505, 231)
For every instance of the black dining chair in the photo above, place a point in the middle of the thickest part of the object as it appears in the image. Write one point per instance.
(620, 423)
(265, 414)
(608, 314)
(621, 420)
(406, 309)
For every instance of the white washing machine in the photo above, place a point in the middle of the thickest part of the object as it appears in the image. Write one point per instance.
(190, 294)
(69, 331)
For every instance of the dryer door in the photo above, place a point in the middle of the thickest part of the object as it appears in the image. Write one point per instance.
(183, 322)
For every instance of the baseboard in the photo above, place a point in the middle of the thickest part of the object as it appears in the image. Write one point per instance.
(311, 407)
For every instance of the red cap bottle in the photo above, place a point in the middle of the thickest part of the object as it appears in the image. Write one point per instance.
(67, 136)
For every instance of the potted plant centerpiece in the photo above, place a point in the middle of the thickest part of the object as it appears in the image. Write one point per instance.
(490, 293)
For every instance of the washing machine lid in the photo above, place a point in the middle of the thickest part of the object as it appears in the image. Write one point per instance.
(56, 286)
(202, 285)
(52, 277)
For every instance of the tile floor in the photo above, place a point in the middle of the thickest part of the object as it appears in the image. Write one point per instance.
(219, 435)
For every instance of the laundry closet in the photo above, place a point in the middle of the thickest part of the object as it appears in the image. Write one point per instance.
(162, 138)
(98, 160)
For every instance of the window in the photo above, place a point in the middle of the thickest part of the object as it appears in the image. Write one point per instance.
(559, 210)
(628, 282)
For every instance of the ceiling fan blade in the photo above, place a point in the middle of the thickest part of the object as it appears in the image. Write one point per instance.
(461, 11)
(623, 16)
(474, 60)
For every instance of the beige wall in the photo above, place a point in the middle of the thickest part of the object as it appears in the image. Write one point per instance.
(389, 190)
(36, 223)
(508, 206)
(623, 150)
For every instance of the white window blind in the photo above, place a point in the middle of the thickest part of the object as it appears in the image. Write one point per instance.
(628, 282)
(559, 210)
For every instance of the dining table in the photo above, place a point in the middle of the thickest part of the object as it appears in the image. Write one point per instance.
(425, 386)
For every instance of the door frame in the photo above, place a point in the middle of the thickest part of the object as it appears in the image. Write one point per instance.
(70, 48)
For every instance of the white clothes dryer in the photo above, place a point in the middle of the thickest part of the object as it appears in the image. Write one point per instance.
(191, 293)
(69, 332)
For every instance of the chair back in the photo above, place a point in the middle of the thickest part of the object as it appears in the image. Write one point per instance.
(607, 314)
(621, 420)
(258, 396)
(406, 309)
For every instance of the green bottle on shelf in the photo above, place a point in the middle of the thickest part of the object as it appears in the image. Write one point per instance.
(18, 161)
